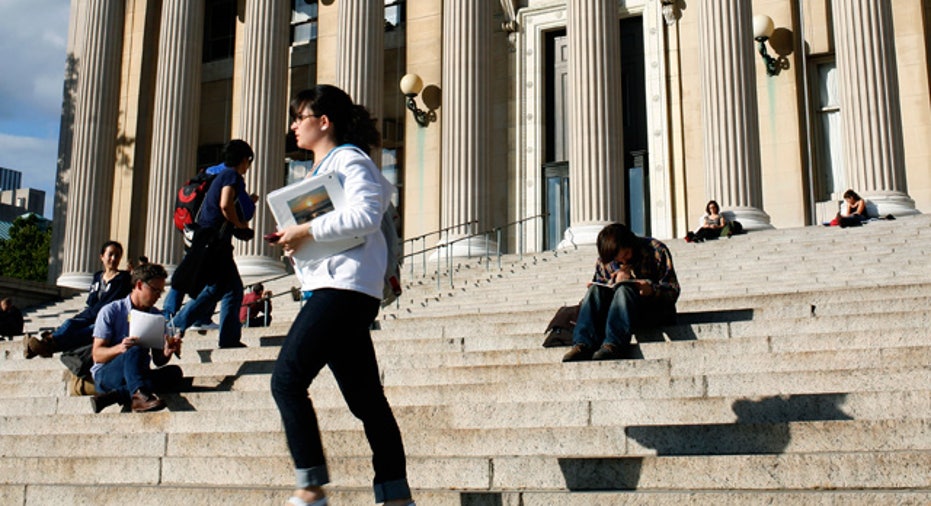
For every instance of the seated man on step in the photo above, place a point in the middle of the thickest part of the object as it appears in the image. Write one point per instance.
(121, 366)
(634, 285)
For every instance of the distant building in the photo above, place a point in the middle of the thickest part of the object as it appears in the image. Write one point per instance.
(24, 200)
(10, 179)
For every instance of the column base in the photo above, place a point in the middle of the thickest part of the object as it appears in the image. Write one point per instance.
(77, 280)
(473, 247)
(750, 217)
(580, 235)
(895, 203)
(259, 266)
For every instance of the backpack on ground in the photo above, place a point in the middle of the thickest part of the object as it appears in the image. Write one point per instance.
(390, 223)
(188, 202)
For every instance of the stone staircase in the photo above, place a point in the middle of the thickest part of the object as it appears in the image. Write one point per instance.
(799, 373)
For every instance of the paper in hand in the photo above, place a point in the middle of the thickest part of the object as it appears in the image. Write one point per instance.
(148, 327)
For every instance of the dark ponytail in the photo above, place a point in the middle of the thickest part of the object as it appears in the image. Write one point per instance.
(352, 123)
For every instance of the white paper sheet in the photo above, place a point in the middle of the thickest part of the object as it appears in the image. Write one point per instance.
(148, 327)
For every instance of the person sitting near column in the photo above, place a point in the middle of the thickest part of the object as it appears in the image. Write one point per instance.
(108, 285)
(11, 319)
(634, 285)
(713, 225)
(121, 365)
(855, 212)
(256, 310)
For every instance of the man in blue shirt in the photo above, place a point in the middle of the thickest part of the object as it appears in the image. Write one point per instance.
(121, 365)
(225, 213)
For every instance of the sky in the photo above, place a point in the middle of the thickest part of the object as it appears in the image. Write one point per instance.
(33, 45)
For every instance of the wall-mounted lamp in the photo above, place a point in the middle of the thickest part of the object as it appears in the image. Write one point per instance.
(762, 30)
(671, 11)
(411, 85)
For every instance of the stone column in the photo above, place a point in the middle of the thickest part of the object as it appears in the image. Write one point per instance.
(93, 153)
(596, 152)
(65, 138)
(360, 48)
(264, 123)
(729, 111)
(466, 123)
(175, 123)
(869, 98)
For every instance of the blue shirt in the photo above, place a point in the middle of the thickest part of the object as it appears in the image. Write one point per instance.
(112, 324)
(210, 213)
(246, 205)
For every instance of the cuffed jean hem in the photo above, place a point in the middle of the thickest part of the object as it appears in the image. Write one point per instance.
(316, 476)
(390, 490)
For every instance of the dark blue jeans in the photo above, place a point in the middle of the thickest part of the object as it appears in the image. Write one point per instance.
(227, 290)
(74, 333)
(172, 303)
(609, 316)
(332, 329)
(125, 374)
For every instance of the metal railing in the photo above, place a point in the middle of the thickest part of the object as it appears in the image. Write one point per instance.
(442, 253)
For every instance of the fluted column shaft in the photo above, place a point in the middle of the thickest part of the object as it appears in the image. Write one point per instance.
(596, 153)
(264, 121)
(869, 98)
(66, 136)
(596, 139)
(360, 48)
(729, 110)
(175, 121)
(94, 144)
(466, 124)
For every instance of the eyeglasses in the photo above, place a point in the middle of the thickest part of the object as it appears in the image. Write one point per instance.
(157, 291)
(301, 117)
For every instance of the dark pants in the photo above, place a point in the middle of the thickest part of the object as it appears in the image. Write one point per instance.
(74, 333)
(332, 329)
(125, 374)
(609, 316)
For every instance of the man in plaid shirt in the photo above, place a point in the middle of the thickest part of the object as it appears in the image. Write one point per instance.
(634, 285)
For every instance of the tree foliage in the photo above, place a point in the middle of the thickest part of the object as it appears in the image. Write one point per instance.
(25, 254)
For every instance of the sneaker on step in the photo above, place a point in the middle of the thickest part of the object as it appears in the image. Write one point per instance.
(607, 352)
(577, 353)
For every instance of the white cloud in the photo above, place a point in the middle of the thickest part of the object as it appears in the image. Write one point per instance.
(33, 42)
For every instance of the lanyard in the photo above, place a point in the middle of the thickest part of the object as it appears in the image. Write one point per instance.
(334, 150)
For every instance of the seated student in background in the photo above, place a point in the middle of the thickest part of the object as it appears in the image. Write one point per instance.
(634, 285)
(108, 285)
(855, 212)
(713, 225)
(11, 319)
(121, 366)
(256, 309)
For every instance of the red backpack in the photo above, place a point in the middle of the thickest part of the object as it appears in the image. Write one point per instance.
(188, 202)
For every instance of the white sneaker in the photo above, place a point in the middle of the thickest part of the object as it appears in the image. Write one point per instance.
(205, 326)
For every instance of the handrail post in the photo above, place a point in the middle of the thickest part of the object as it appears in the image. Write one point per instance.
(520, 239)
(499, 247)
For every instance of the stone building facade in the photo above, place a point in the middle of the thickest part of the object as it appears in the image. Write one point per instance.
(545, 119)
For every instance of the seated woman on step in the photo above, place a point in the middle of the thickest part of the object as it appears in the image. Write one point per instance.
(713, 225)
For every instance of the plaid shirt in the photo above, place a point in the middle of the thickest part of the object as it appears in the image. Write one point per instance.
(651, 260)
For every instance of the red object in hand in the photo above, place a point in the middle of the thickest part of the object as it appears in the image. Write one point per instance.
(273, 237)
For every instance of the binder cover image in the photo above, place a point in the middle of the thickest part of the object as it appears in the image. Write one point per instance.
(303, 201)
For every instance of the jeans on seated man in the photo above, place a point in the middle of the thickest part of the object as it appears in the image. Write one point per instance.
(121, 365)
(634, 285)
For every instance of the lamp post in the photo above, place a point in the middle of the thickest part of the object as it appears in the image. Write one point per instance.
(411, 85)
(762, 30)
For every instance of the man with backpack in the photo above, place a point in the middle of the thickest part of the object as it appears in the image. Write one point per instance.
(208, 271)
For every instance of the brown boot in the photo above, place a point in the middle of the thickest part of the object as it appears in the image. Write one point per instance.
(144, 402)
(101, 401)
(41, 347)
